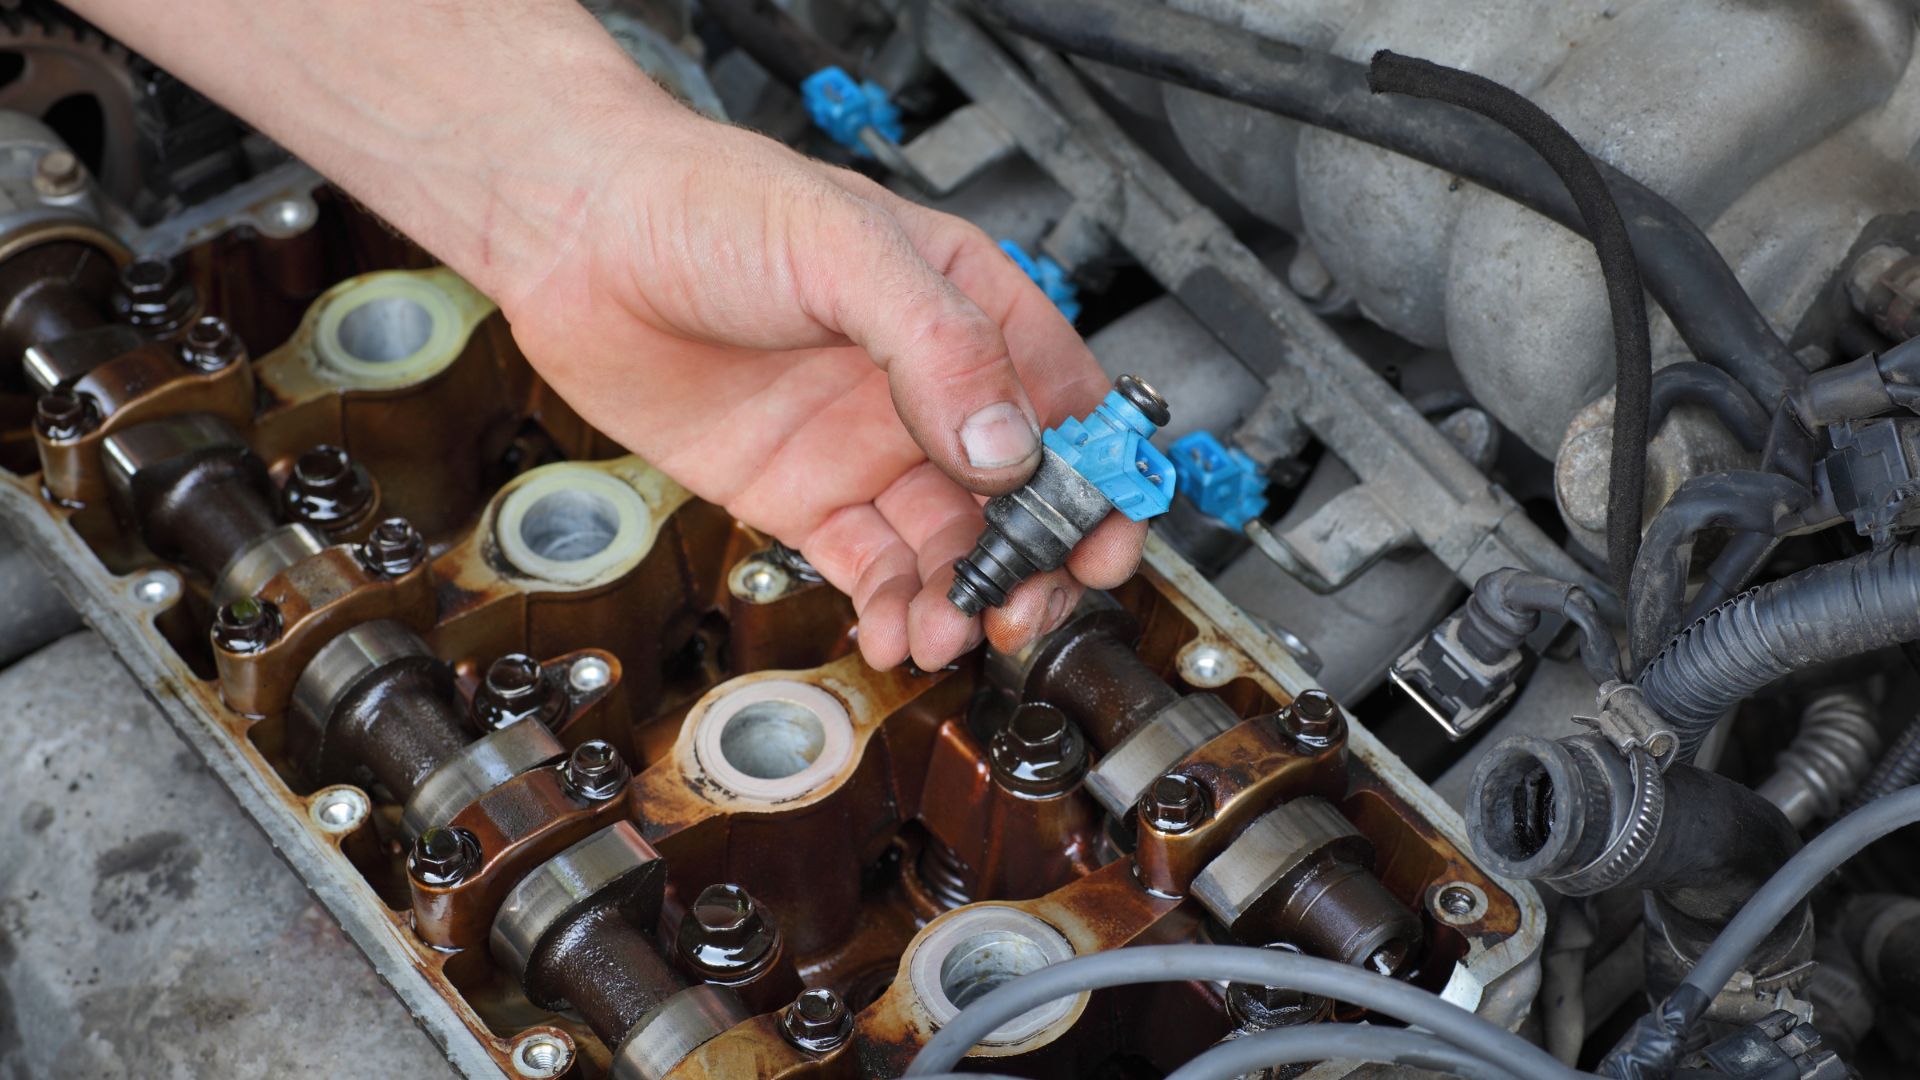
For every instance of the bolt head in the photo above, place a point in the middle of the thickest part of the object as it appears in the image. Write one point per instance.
(327, 490)
(246, 625)
(394, 548)
(210, 345)
(58, 174)
(61, 415)
(443, 856)
(154, 296)
(1174, 803)
(726, 936)
(595, 771)
(817, 1021)
(1040, 752)
(1313, 719)
(514, 677)
(517, 688)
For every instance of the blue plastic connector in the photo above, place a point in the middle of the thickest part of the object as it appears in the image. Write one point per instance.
(843, 108)
(1111, 450)
(1222, 482)
(1049, 275)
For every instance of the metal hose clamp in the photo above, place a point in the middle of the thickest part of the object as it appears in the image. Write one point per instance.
(1631, 845)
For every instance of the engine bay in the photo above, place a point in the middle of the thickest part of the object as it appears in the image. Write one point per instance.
(1504, 645)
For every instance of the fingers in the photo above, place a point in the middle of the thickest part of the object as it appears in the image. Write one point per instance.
(1110, 553)
(861, 555)
(1036, 606)
(952, 378)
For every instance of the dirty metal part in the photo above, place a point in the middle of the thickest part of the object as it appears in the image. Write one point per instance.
(375, 701)
(517, 687)
(725, 936)
(151, 383)
(210, 344)
(1173, 804)
(1089, 669)
(327, 490)
(1039, 752)
(1253, 1008)
(1028, 531)
(1124, 772)
(595, 771)
(664, 1037)
(477, 768)
(313, 601)
(987, 838)
(1302, 873)
(1216, 790)
(817, 1021)
(155, 297)
(970, 951)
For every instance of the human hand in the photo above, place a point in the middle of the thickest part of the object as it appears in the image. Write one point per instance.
(835, 365)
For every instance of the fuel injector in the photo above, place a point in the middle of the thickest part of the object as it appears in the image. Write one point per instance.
(1088, 468)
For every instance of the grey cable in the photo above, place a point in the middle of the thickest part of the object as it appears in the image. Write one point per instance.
(1336, 1042)
(1793, 881)
(1225, 963)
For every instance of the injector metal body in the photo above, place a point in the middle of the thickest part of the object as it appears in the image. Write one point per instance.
(1088, 468)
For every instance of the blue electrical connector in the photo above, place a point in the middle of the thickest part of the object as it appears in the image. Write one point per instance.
(843, 108)
(1222, 482)
(1111, 450)
(1049, 275)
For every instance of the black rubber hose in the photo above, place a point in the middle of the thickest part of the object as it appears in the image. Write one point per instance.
(1821, 614)
(1691, 382)
(765, 32)
(1505, 608)
(1754, 502)
(1683, 270)
(1567, 811)
(1789, 453)
(1392, 73)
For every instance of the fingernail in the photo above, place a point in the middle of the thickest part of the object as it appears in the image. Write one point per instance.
(1056, 610)
(998, 435)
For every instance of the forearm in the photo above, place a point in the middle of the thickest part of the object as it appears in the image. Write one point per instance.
(481, 130)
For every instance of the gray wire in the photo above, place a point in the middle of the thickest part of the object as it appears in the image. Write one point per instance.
(1794, 880)
(1336, 1042)
(1227, 963)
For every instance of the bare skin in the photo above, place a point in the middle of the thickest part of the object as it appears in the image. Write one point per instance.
(836, 366)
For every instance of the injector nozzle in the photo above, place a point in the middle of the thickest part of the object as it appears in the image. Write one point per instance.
(1088, 468)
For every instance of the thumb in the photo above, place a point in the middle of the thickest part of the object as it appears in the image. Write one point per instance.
(947, 363)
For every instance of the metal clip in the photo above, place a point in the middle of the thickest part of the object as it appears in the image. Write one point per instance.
(1629, 723)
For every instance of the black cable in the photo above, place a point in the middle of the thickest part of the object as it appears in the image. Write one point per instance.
(1758, 504)
(1392, 73)
(1683, 270)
